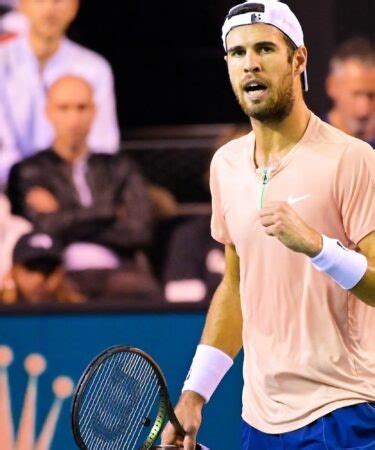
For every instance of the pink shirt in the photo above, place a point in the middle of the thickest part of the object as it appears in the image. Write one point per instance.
(309, 345)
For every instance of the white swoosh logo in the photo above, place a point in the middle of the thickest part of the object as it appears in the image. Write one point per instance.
(293, 200)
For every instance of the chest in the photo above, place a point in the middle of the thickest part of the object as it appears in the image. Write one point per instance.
(309, 193)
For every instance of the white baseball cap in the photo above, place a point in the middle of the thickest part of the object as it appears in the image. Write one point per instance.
(270, 12)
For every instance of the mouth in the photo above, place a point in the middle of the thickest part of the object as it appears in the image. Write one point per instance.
(255, 89)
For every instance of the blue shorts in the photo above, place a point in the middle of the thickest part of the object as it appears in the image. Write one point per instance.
(352, 427)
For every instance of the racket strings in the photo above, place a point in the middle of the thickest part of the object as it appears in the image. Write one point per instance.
(118, 403)
(103, 408)
(146, 407)
(135, 418)
(90, 398)
(100, 426)
(114, 409)
(95, 393)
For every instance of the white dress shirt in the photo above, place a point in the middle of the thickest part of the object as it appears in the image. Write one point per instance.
(23, 92)
(8, 150)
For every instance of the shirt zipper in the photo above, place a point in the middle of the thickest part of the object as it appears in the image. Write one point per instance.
(265, 180)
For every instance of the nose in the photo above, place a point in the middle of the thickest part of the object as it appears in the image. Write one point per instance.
(252, 62)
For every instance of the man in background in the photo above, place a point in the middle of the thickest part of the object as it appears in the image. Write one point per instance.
(11, 229)
(351, 86)
(37, 275)
(31, 62)
(94, 202)
(12, 21)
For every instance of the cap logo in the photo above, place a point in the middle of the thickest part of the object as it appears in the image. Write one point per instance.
(41, 241)
(256, 17)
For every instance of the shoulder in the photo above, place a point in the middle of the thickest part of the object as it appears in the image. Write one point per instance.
(347, 146)
(232, 152)
(348, 156)
(102, 160)
(332, 139)
(35, 161)
(119, 163)
(325, 147)
(122, 160)
(11, 45)
(11, 51)
(86, 56)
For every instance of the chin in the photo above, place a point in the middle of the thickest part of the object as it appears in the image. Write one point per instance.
(49, 34)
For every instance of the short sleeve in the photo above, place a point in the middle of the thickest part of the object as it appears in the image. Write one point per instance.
(354, 190)
(219, 229)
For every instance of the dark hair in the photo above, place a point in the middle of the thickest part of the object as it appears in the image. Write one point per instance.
(357, 47)
(291, 46)
(45, 265)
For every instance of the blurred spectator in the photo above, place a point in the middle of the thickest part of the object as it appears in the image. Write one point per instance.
(8, 5)
(30, 64)
(37, 275)
(351, 86)
(195, 262)
(8, 150)
(164, 205)
(11, 229)
(12, 21)
(96, 203)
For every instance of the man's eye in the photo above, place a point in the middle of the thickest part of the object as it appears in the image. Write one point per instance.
(265, 49)
(237, 53)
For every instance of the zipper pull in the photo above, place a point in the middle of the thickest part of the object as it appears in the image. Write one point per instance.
(266, 176)
(265, 180)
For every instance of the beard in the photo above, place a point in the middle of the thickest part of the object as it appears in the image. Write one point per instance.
(273, 110)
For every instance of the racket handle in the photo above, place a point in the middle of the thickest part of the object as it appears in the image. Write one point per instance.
(166, 447)
(175, 447)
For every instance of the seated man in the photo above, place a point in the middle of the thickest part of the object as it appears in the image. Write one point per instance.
(37, 275)
(29, 64)
(95, 203)
(12, 21)
(195, 262)
(351, 86)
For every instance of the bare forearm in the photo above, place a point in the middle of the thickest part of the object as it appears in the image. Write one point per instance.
(223, 328)
(365, 289)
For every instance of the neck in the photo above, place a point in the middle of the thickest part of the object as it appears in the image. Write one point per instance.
(43, 48)
(70, 153)
(275, 140)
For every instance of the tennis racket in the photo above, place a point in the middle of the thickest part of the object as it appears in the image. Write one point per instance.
(121, 403)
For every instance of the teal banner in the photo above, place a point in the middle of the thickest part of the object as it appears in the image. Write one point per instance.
(43, 356)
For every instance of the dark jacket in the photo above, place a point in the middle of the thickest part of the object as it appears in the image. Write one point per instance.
(120, 215)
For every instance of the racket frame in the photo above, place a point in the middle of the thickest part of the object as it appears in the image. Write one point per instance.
(165, 408)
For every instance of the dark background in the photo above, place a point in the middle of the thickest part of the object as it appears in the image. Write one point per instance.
(167, 55)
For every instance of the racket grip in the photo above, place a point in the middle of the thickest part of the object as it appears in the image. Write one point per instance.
(166, 447)
(175, 447)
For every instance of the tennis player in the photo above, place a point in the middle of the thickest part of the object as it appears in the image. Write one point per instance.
(294, 203)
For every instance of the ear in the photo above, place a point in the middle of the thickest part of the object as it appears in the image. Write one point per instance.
(226, 58)
(300, 60)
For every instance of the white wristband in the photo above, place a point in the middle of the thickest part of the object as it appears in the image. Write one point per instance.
(345, 266)
(207, 370)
